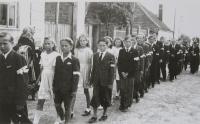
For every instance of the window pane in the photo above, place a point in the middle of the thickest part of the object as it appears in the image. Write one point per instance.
(65, 13)
(12, 17)
(50, 12)
(3, 14)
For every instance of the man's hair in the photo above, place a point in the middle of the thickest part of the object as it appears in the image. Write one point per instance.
(4, 34)
(103, 40)
(68, 40)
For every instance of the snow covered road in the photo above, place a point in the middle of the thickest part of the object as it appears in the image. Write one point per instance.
(175, 102)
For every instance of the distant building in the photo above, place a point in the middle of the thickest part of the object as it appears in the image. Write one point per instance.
(146, 22)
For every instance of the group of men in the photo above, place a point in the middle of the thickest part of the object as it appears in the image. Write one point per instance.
(158, 55)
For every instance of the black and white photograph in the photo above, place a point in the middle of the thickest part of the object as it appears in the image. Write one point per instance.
(99, 61)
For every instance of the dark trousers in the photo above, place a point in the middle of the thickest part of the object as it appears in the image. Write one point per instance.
(126, 92)
(9, 113)
(163, 70)
(101, 96)
(172, 70)
(58, 100)
(138, 86)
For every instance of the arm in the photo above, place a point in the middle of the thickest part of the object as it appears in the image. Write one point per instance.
(21, 82)
(76, 74)
(112, 69)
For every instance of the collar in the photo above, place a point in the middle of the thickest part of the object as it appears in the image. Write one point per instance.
(6, 55)
(68, 56)
(104, 53)
(128, 48)
(135, 46)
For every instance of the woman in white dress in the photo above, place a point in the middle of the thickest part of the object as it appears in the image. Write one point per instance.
(47, 63)
(84, 53)
(118, 44)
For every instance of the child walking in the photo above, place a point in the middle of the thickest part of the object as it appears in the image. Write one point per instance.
(84, 54)
(47, 63)
(118, 45)
(65, 84)
(102, 77)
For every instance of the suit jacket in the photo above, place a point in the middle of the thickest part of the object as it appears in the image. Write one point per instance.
(13, 86)
(66, 75)
(103, 71)
(141, 57)
(128, 62)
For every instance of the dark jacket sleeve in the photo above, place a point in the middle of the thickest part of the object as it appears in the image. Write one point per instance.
(112, 69)
(21, 82)
(119, 64)
(76, 74)
(56, 76)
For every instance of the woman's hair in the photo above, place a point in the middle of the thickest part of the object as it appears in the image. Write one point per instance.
(52, 40)
(28, 32)
(78, 45)
(118, 38)
(110, 39)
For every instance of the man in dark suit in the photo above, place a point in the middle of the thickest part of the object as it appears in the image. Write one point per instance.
(138, 85)
(163, 58)
(13, 83)
(172, 60)
(155, 64)
(127, 68)
(102, 77)
(194, 57)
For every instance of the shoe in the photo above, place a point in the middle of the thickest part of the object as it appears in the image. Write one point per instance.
(124, 110)
(137, 100)
(116, 98)
(92, 120)
(142, 95)
(86, 112)
(103, 118)
(72, 115)
(100, 108)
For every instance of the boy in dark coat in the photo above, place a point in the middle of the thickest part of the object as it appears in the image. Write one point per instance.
(102, 77)
(13, 83)
(65, 84)
(127, 67)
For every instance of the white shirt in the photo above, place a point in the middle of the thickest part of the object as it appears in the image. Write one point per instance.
(128, 49)
(68, 56)
(6, 55)
(102, 55)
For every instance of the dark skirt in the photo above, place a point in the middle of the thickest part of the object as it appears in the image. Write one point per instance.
(101, 96)
(126, 92)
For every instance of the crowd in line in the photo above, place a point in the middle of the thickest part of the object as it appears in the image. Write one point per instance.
(136, 63)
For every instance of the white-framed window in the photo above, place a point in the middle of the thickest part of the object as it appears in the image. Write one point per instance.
(8, 14)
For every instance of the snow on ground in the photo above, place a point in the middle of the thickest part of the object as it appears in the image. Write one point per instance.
(175, 102)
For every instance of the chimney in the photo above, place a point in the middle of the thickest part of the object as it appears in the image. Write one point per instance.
(160, 12)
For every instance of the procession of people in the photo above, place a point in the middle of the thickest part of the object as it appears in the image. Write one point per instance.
(136, 64)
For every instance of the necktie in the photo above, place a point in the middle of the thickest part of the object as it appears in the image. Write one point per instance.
(127, 50)
(100, 57)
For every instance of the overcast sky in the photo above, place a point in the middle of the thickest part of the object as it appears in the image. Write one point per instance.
(187, 14)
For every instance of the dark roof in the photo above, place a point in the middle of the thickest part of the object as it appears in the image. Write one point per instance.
(154, 18)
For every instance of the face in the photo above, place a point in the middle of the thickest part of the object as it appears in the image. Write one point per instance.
(127, 43)
(48, 45)
(5, 44)
(152, 40)
(140, 40)
(108, 41)
(118, 43)
(65, 47)
(83, 41)
(102, 46)
(134, 41)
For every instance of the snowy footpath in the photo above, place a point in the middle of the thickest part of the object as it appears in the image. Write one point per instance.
(176, 102)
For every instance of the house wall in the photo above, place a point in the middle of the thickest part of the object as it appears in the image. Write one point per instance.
(29, 13)
(166, 34)
(140, 19)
